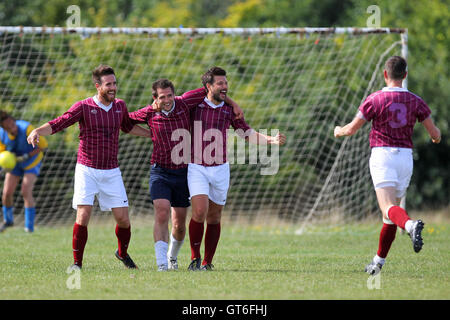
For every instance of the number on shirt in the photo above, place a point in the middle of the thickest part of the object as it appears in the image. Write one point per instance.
(399, 112)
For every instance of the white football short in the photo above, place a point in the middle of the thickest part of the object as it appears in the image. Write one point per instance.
(212, 181)
(107, 185)
(391, 167)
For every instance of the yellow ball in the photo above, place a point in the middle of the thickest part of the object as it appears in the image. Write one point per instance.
(7, 160)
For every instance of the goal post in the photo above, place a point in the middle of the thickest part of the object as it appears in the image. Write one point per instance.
(299, 81)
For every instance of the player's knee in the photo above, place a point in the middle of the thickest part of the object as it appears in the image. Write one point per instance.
(123, 221)
(7, 195)
(213, 218)
(26, 192)
(162, 216)
(83, 215)
(200, 210)
(178, 227)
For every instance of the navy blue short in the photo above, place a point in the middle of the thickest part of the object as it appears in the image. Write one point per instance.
(170, 184)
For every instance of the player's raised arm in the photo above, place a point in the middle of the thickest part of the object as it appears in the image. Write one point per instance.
(433, 131)
(350, 128)
(140, 132)
(259, 138)
(33, 137)
(140, 116)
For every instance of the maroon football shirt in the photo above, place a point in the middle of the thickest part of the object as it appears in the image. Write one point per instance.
(99, 131)
(171, 132)
(393, 112)
(209, 132)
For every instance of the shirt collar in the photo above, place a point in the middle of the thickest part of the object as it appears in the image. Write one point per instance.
(101, 105)
(394, 89)
(212, 105)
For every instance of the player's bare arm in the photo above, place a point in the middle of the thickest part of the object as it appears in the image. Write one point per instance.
(433, 131)
(140, 131)
(259, 138)
(350, 128)
(33, 137)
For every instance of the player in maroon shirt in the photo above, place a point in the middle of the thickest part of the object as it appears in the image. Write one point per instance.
(169, 121)
(209, 172)
(393, 112)
(97, 171)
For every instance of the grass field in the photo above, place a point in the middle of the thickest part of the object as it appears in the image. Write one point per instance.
(252, 263)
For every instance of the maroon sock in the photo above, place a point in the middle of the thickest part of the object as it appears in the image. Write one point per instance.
(123, 239)
(195, 237)
(387, 236)
(212, 236)
(398, 216)
(79, 239)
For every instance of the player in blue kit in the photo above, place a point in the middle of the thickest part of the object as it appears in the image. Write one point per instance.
(13, 138)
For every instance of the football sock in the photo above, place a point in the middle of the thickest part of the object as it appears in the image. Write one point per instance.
(387, 236)
(195, 237)
(174, 247)
(212, 236)
(123, 239)
(8, 214)
(378, 259)
(79, 239)
(398, 216)
(408, 225)
(30, 213)
(161, 252)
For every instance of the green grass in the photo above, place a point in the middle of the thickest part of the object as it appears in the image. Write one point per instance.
(251, 263)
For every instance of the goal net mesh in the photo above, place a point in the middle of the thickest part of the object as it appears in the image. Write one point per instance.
(300, 83)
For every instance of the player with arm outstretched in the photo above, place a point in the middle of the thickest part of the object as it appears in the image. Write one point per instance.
(13, 138)
(100, 119)
(209, 171)
(169, 121)
(393, 112)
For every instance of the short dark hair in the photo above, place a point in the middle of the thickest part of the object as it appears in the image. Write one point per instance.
(100, 71)
(161, 84)
(208, 77)
(3, 116)
(396, 67)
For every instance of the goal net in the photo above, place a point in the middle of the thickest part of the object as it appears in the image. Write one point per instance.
(301, 82)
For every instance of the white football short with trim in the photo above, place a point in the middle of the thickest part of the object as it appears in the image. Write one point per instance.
(107, 185)
(391, 167)
(212, 181)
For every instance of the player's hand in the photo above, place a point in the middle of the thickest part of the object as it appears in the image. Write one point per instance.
(337, 131)
(279, 139)
(33, 138)
(238, 112)
(156, 106)
(437, 140)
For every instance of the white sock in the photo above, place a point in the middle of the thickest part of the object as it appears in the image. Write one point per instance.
(174, 247)
(161, 252)
(409, 225)
(379, 260)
